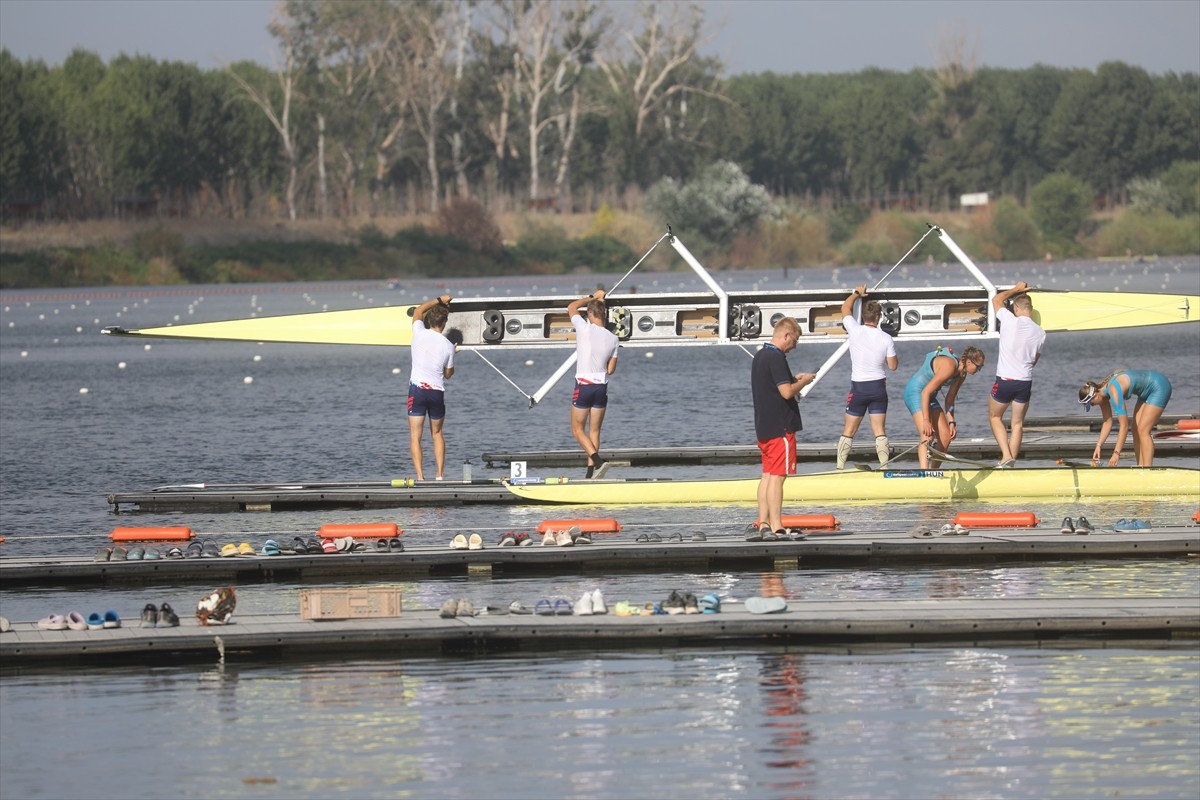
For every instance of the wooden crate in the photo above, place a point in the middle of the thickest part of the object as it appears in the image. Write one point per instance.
(349, 603)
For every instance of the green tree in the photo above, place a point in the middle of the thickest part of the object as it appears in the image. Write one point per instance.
(718, 204)
(1061, 203)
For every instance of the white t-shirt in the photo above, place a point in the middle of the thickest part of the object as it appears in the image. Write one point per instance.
(1021, 341)
(594, 346)
(432, 353)
(870, 349)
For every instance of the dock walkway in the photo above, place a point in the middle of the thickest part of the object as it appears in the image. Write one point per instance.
(815, 623)
(617, 554)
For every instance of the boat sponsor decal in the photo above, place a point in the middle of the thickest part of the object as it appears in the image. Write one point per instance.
(914, 473)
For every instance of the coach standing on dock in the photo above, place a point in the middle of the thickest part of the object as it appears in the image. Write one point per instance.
(1021, 341)
(432, 364)
(776, 420)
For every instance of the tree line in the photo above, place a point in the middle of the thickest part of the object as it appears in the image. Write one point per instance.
(398, 107)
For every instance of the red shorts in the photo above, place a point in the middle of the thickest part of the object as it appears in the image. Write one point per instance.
(779, 455)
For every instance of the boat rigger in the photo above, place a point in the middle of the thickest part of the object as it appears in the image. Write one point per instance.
(901, 485)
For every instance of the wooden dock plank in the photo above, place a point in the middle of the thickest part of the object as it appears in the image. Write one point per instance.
(804, 622)
(613, 555)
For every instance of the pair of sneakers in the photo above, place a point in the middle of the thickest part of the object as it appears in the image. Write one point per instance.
(761, 532)
(590, 603)
(457, 608)
(1132, 526)
(513, 539)
(164, 617)
(1079, 526)
(566, 538)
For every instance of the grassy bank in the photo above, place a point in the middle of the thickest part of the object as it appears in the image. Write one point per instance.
(211, 251)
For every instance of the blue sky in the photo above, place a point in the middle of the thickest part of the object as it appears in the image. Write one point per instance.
(782, 36)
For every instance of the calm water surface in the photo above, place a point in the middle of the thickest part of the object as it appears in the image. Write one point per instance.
(770, 722)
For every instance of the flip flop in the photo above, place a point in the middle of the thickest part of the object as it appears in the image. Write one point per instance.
(544, 608)
(329, 546)
(270, 549)
(459, 542)
(174, 552)
(710, 604)
(563, 607)
(395, 544)
(765, 605)
(675, 537)
(229, 550)
(194, 550)
(517, 607)
(135, 553)
(313, 546)
(152, 553)
(119, 553)
(208, 549)
(103, 554)
(246, 549)
(381, 545)
(475, 542)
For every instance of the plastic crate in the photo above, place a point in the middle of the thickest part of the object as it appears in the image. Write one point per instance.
(350, 603)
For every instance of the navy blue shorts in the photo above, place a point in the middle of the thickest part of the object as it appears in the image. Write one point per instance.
(1006, 390)
(590, 395)
(867, 397)
(422, 401)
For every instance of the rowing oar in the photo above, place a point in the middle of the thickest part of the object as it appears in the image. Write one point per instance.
(844, 346)
(537, 396)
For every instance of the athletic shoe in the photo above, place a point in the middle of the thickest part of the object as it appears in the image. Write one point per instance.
(167, 618)
(598, 606)
(1068, 527)
(948, 529)
(583, 606)
(150, 616)
(920, 532)
(843, 450)
(583, 538)
(464, 609)
(689, 604)
(550, 539)
(601, 466)
(507, 540)
(564, 539)
(449, 609)
(674, 603)
(1082, 526)
(523, 540)
(1007, 463)
(76, 622)
(959, 530)
(54, 622)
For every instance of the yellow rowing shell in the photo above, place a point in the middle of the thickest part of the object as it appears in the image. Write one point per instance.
(1052, 483)
(501, 322)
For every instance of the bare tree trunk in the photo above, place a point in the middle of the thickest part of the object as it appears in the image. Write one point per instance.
(322, 180)
(457, 157)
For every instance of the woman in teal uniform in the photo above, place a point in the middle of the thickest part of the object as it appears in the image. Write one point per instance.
(938, 369)
(1152, 389)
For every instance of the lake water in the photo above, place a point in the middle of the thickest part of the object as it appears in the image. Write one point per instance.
(774, 722)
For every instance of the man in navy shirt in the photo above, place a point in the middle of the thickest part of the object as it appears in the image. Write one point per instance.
(776, 420)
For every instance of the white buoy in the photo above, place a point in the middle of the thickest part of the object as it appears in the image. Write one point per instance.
(649, 355)
(24, 354)
(529, 362)
(41, 316)
(120, 365)
(145, 347)
(257, 357)
(79, 329)
(84, 390)
(395, 370)
(247, 380)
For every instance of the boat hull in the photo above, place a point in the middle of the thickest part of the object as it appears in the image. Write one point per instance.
(911, 485)
(927, 314)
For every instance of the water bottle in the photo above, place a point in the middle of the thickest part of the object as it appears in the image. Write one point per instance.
(467, 471)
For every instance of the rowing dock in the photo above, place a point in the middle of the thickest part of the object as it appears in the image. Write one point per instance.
(617, 553)
(824, 623)
(398, 493)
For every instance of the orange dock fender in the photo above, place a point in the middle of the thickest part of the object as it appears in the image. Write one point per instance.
(363, 530)
(809, 522)
(996, 519)
(1188, 425)
(584, 525)
(151, 534)
(1195, 516)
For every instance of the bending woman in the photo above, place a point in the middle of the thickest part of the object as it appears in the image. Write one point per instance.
(938, 369)
(1152, 390)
